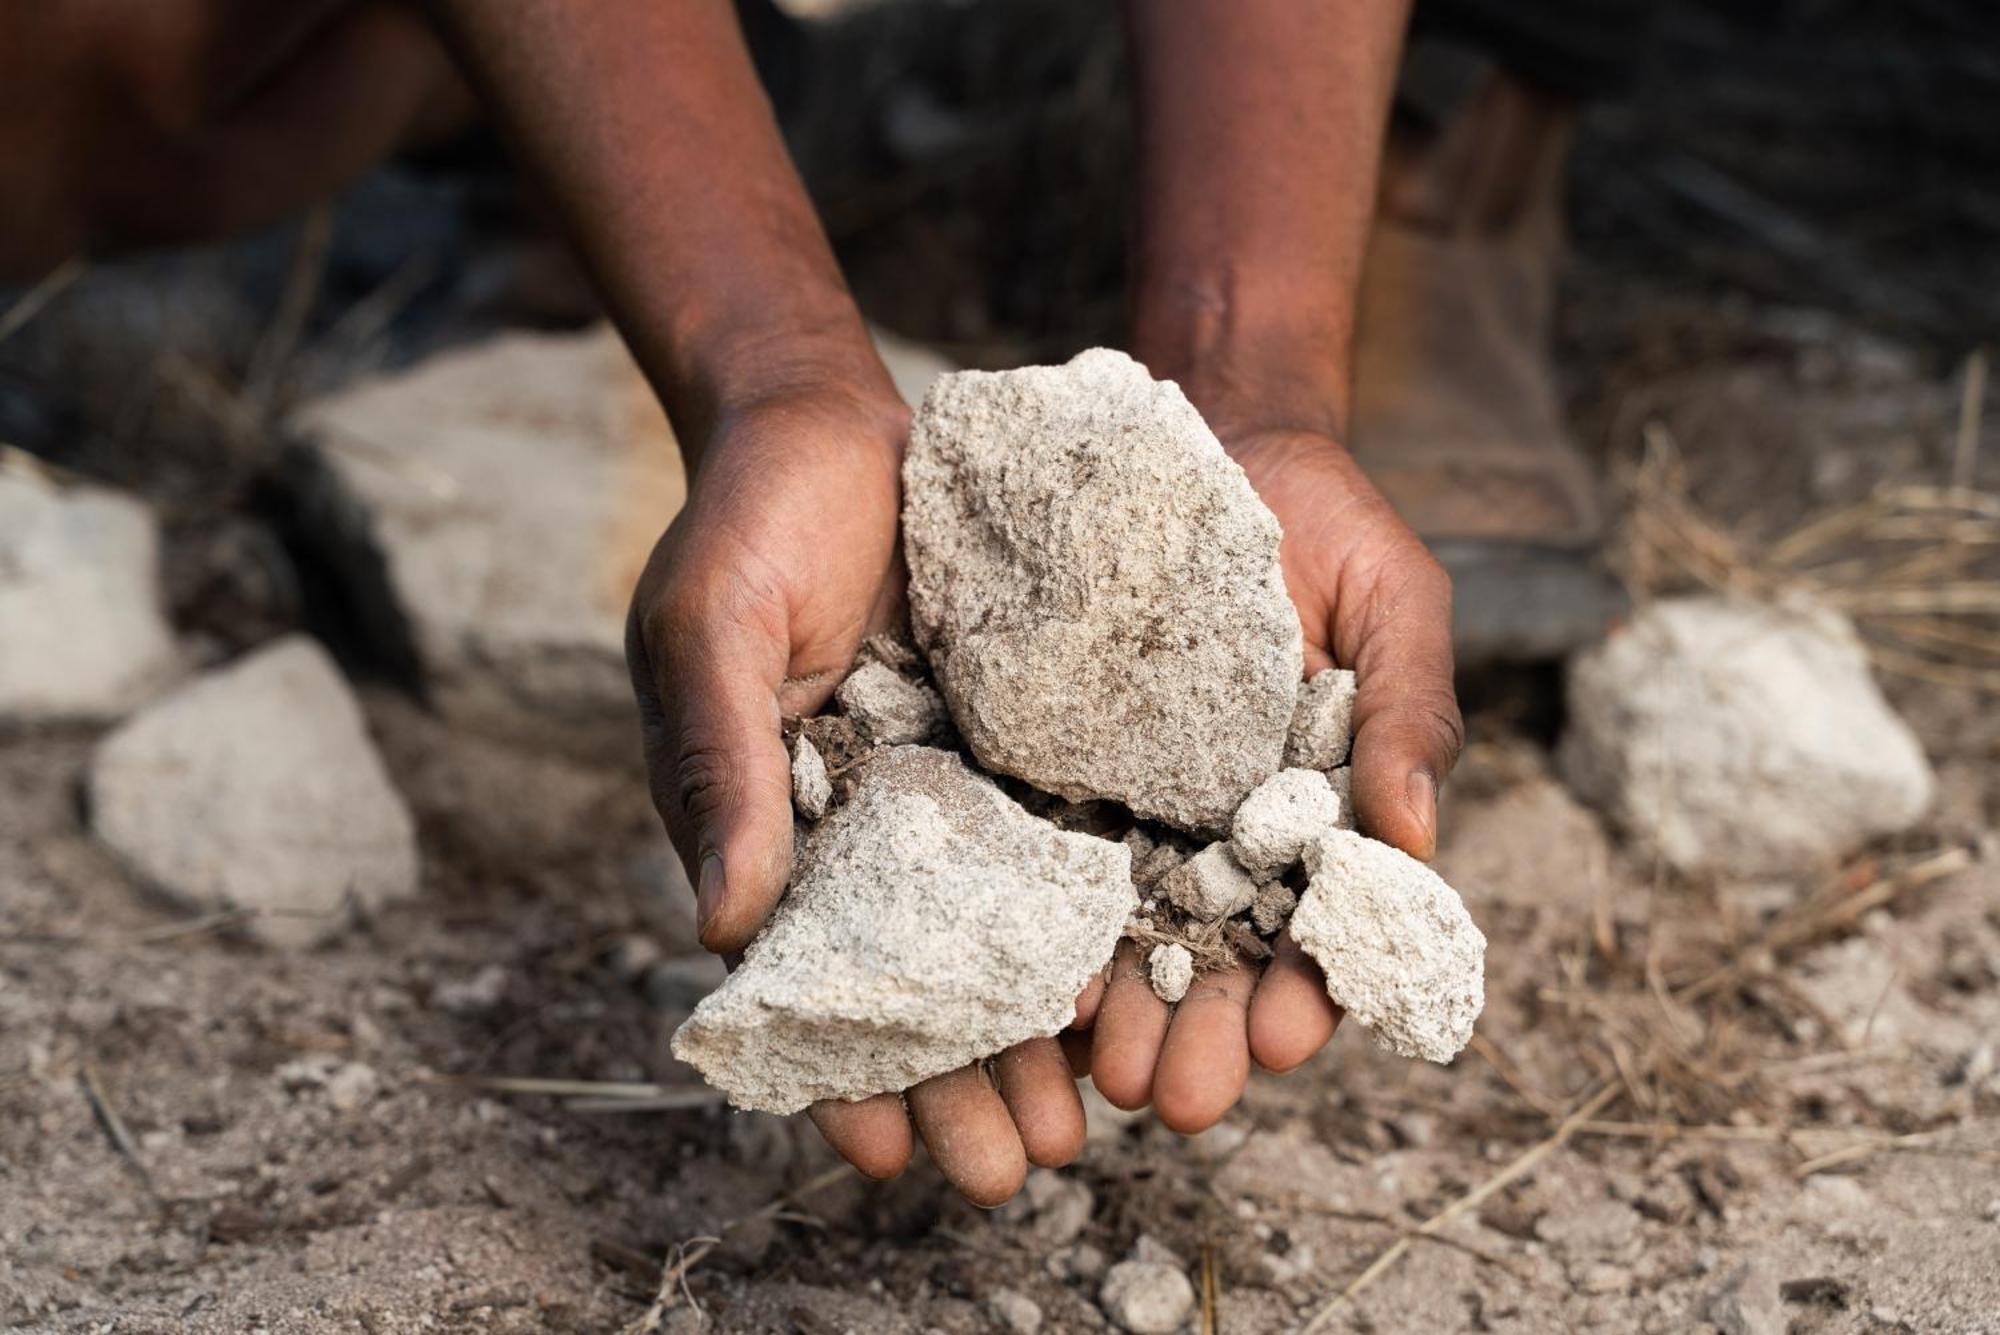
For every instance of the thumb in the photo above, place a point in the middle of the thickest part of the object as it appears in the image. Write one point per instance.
(721, 780)
(1407, 727)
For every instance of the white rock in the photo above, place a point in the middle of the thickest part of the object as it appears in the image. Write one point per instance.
(351, 1086)
(1210, 885)
(1733, 737)
(1171, 970)
(1273, 824)
(1146, 1298)
(812, 790)
(889, 708)
(1322, 722)
(1098, 590)
(1342, 782)
(491, 509)
(1015, 1311)
(1400, 953)
(933, 923)
(81, 631)
(257, 787)
(473, 995)
(1274, 908)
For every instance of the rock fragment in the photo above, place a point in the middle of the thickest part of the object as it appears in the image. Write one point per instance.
(1401, 955)
(1097, 589)
(1162, 858)
(932, 922)
(889, 708)
(257, 787)
(1322, 722)
(1015, 1311)
(1342, 782)
(84, 637)
(1731, 736)
(812, 790)
(1146, 1297)
(1274, 908)
(1210, 885)
(1280, 815)
(1171, 969)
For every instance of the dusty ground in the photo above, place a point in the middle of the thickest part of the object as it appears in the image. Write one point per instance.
(300, 1165)
(298, 1161)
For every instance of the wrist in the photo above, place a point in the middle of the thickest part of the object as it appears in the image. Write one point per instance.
(1252, 361)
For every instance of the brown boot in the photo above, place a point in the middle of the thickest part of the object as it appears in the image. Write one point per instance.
(1456, 416)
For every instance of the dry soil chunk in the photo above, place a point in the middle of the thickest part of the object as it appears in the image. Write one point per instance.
(932, 923)
(1210, 885)
(1275, 821)
(1274, 908)
(888, 707)
(1171, 969)
(812, 790)
(1097, 588)
(1323, 721)
(1146, 1297)
(1400, 953)
(1732, 736)
(81, 632)
(257, 787)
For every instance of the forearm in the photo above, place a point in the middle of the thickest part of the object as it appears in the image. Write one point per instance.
(646, 123)
(1260, 132)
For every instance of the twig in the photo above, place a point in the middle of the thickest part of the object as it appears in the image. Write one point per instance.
(1472, 1200)
(694, 1096)
(1207, 1288)
(281, 339)
(686, 1256)
(36, 299)
(113, 1125)
(1971, 411)
(1917, 1141)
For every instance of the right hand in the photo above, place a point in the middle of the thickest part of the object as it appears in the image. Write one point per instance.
(751, 609)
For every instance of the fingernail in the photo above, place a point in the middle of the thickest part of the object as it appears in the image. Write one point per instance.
(708, 896)
(1421, 795)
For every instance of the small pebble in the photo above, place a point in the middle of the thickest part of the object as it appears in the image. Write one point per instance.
(1172, 970)
(1146, 1298)
(1015, 1311)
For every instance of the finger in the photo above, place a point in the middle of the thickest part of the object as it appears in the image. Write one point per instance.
(1205, 1061)
(1034, 1081)
(721, 777)
(873, 1134)
(1131, 1025)
(968, 1131)
(1407, 727)
(1088, 1000)
(1291, 1016)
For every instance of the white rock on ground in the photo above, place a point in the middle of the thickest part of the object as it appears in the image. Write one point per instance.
(1322, 722)
(1280, 815)
(1097, 588)
(257, 787)
(1210, 885)
(1171, 970)
(81, 631)
(1146, 1297)
(491, 509)
(933, 922)
(1400, 953)
(812, 790)
(1729, 736)
(889, 708)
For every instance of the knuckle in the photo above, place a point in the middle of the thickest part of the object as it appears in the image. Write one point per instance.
(706, 779)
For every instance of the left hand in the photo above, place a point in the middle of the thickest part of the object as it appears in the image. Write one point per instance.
(1369, 597)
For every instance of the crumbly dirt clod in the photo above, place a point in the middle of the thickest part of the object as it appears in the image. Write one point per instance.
(1272, 826)
(1210, 885)
(932, 922)
(1736, 737)
(1098, 590)
(1170, 968)
(889, 708)
(1276, 902)
(1400, 953)
(1322, 722)
(812, 790)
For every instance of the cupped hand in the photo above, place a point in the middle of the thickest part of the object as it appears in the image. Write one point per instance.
(750, 610)
(1370, 598)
